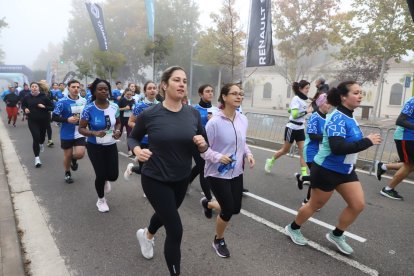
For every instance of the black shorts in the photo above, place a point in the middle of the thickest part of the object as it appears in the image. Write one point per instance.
(405, 150)
(67, 144)
(327, 180)
(297, 135)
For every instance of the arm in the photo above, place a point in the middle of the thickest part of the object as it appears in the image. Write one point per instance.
(58, 118)
(296, 114)
(402, 121)
(131, 121)
(339, 146)
(137, 133)
(49, 104)
(210, 154)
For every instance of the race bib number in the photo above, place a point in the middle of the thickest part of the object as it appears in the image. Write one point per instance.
(76, 108)
(107, 139)
(127, 113)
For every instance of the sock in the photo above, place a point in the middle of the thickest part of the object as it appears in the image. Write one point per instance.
(304, 171)
(67, 173)
(384, 167)
(337, 232)
(294, 226)
(74, 160)
(387, 188)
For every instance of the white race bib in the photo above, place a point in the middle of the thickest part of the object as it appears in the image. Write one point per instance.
(351, 159)
(76, 108)
(107, 139)
(127, 113)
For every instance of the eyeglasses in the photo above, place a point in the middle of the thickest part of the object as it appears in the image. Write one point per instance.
(241, 94)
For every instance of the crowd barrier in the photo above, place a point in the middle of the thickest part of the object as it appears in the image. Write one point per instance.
(271, 128)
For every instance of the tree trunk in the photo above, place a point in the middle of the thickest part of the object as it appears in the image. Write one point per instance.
(379, 89)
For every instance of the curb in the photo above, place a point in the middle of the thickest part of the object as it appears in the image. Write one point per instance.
(37, 241)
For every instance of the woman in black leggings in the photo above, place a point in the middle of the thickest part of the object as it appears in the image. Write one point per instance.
(167, 163)
(37, 106)
(102, 119)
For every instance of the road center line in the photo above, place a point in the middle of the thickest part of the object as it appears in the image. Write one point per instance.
(293, 212)
(365, 269)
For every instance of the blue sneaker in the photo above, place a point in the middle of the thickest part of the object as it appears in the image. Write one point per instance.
(340, 243)
(295, 235)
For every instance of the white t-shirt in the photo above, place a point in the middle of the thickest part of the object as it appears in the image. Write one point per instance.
(301, 106)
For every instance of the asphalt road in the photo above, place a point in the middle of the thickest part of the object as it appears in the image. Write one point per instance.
(92, 243)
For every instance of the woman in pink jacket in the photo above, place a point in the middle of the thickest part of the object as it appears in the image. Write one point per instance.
(226, 132)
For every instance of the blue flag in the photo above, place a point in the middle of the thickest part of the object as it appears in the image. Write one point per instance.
(149, 4)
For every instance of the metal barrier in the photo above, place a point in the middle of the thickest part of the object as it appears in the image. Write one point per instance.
(272, 127)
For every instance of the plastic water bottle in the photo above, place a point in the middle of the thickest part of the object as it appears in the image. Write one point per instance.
(224, 168)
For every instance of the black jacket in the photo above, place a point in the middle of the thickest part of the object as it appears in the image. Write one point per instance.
(36, 113)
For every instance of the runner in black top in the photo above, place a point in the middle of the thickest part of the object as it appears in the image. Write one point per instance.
(172, 128)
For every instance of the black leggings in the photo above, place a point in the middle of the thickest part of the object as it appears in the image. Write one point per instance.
(38, 130)
(228, 193)
(166, 198)
(199, 169)
(49, 130)
(104, 160)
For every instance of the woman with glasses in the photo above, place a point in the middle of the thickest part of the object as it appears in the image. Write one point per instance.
(226, 133)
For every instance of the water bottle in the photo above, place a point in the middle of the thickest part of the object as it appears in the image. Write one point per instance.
(224, 168)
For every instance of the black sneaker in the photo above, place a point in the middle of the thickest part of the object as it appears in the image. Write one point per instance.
(68, 178)
(207, 211)
(379, 171)
(221, 248)
(299, 180)
(391, 194)
(74, 165)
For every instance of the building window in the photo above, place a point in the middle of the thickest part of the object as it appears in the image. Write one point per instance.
(267, 91)
(396, 94)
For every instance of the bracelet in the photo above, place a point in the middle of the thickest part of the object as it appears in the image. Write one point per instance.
(205, 150)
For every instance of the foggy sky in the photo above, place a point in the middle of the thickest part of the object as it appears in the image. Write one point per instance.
(35, 23)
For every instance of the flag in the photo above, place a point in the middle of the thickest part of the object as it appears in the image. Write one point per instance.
(96, 15)
(49, 74)
(259, 45)
(149, 4)
(69, 76)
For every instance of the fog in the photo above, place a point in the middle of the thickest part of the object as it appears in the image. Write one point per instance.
(32, 25)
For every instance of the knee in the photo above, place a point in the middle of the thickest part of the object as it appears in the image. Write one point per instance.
(357, 206)
(226, 215)
(174, 233)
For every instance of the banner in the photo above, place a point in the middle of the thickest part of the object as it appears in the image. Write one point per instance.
(259, 45)
(49, 74)
(149, 5)
(69, 76)
(96, 15)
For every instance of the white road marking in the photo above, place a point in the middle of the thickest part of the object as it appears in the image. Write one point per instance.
(358, 170)
(293, 212)
(365, 269)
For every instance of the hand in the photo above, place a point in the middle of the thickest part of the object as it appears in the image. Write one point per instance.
(225, 159)
(209, 116)
(99, 133)
(117, 134)
(251, 160)
(200, 143)
(41, 106)
(375, 138)
(142, 154)
(127, 107)
(26, 110)
(73, 120)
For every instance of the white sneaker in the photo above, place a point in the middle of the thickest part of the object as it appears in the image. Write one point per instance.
(147, 246)
(42, 147)
(38, 164)
(107, 188)
(128, 171)
(102, 205)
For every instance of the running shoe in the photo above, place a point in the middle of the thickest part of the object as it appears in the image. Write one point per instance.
(107, 188)
(128, 171)
(340, 243)
(378, 170)
(42, 147)
(391, 194)
(304, 202)
(102, 205)
(269, 164)
(299, 180)
(221, 248)
(74, 165)
(147, 245)
(295, 235)
(207, 211)
(50, 143)
(38, 164)
(68, 178)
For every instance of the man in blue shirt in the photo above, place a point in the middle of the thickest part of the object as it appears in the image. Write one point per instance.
(117, 93)
(67, 111)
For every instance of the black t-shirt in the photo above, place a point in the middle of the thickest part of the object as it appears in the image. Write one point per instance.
(36, 113)
(11, 100)
(123, 102)
(170, 136)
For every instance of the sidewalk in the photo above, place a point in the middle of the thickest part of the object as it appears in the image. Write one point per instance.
(11, 262)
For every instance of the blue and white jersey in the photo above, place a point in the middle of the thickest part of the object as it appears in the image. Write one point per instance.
(56, 94)
(115, 94)
(315, 126)
(101, 119)
(139, 107)
(204, 113)
(88, 97)
(66, 107)
(338, 125)
(402, 133)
